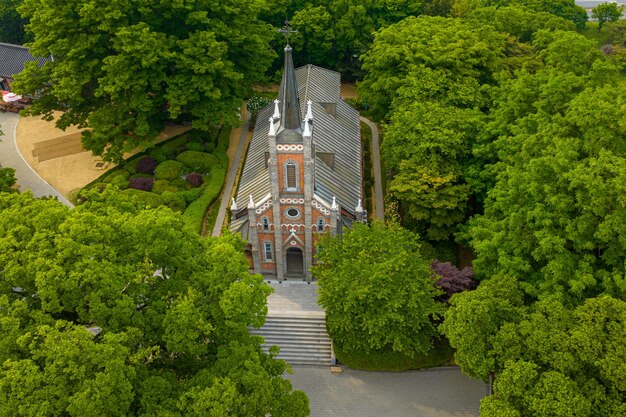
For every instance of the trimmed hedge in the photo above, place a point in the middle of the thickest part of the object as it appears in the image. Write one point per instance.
(175, 201)
(147, 198)
(194, 179)
(146, 165)
(144, 184)
(198, 161)
(168, 170)
(194, 214)
(441, 354)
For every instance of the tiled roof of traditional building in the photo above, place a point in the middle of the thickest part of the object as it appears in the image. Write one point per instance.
(13, 58)
(336, 130)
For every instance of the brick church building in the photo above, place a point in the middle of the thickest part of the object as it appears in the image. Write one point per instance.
(302, 176)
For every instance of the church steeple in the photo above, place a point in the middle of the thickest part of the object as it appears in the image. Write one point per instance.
(291, 104)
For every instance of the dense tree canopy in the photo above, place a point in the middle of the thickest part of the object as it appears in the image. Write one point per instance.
(378, 292)
(124, 69)
(553, 218)
(548, 359)
(607, 12)
(7, 180)
(11, 23)
(107, 309)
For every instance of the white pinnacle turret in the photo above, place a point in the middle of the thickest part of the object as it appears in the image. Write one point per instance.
(272, 131)
(359, 207)
(309, 111)
(276, 114)
(251, 202)
(233, 206)
(334, 205)
(307, 129)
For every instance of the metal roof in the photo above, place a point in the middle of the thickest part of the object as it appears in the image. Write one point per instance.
(13, 57)
(338, 134)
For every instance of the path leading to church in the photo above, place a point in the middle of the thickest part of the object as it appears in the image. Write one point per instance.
(378, 182)
(437, 392)
(10, 157)
(231, 175)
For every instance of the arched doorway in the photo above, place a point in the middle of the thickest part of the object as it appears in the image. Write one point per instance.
(248, 254)
(295, 262)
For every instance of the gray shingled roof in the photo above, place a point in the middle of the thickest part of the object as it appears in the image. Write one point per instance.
(338, 134)
(13, 57)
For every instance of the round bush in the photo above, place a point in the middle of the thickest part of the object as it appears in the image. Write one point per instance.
(118, 173)
(168, 170)
(161, 186)
(179, 183)
(143, 184)
(140, 176)
(195, 146)
(174, 146)
(158, 154)
(131, 166)
(120, 182)
(146, 165)
(194, 179)
(198, 161)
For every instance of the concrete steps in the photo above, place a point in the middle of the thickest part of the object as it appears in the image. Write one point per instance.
(302, 338)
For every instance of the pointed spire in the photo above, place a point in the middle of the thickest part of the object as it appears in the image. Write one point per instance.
(272, 131)
(276, 114)
(233, 206)
(359, 207)
(334, 206)
(307, 129)
(251, 202)
(309, 111)
(291, 105)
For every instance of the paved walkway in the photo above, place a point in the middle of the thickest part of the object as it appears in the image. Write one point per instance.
(10, 157)
(230, 177)
(296, 298)
(378, 182)
(437, 392)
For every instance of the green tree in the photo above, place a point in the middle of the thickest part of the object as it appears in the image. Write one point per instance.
(123, 70)
(550, 218)
(607, 12)
(448, 47)
(109, 309)
(11, 23)
(378, 292)
(7, 180)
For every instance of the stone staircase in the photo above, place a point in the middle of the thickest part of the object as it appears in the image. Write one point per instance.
(302, 338)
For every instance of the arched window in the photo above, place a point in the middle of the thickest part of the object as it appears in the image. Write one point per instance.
(266, 223)
(320, 224)
(291, 176)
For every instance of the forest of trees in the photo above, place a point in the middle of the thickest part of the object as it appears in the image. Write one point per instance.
(503, 135)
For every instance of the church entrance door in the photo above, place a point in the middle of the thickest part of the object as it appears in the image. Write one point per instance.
(295, 262)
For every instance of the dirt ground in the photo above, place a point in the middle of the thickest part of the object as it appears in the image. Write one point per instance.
(67, 173)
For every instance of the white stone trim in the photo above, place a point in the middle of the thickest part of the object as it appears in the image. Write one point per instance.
(289, 148)
(292, 201)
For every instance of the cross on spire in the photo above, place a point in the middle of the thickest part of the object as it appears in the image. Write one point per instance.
(287, 30)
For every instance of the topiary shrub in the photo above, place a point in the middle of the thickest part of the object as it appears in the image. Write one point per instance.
(198, 161)
(143, 184)
(195, 146)
(179, 183)
(194, 179)
(131, 166)
(140, 176)
(146, 165)
(175, 201)
(158, 154)
(118, 173)
(168, 170)
(174, 147)
(146, 198)
(161, 186)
